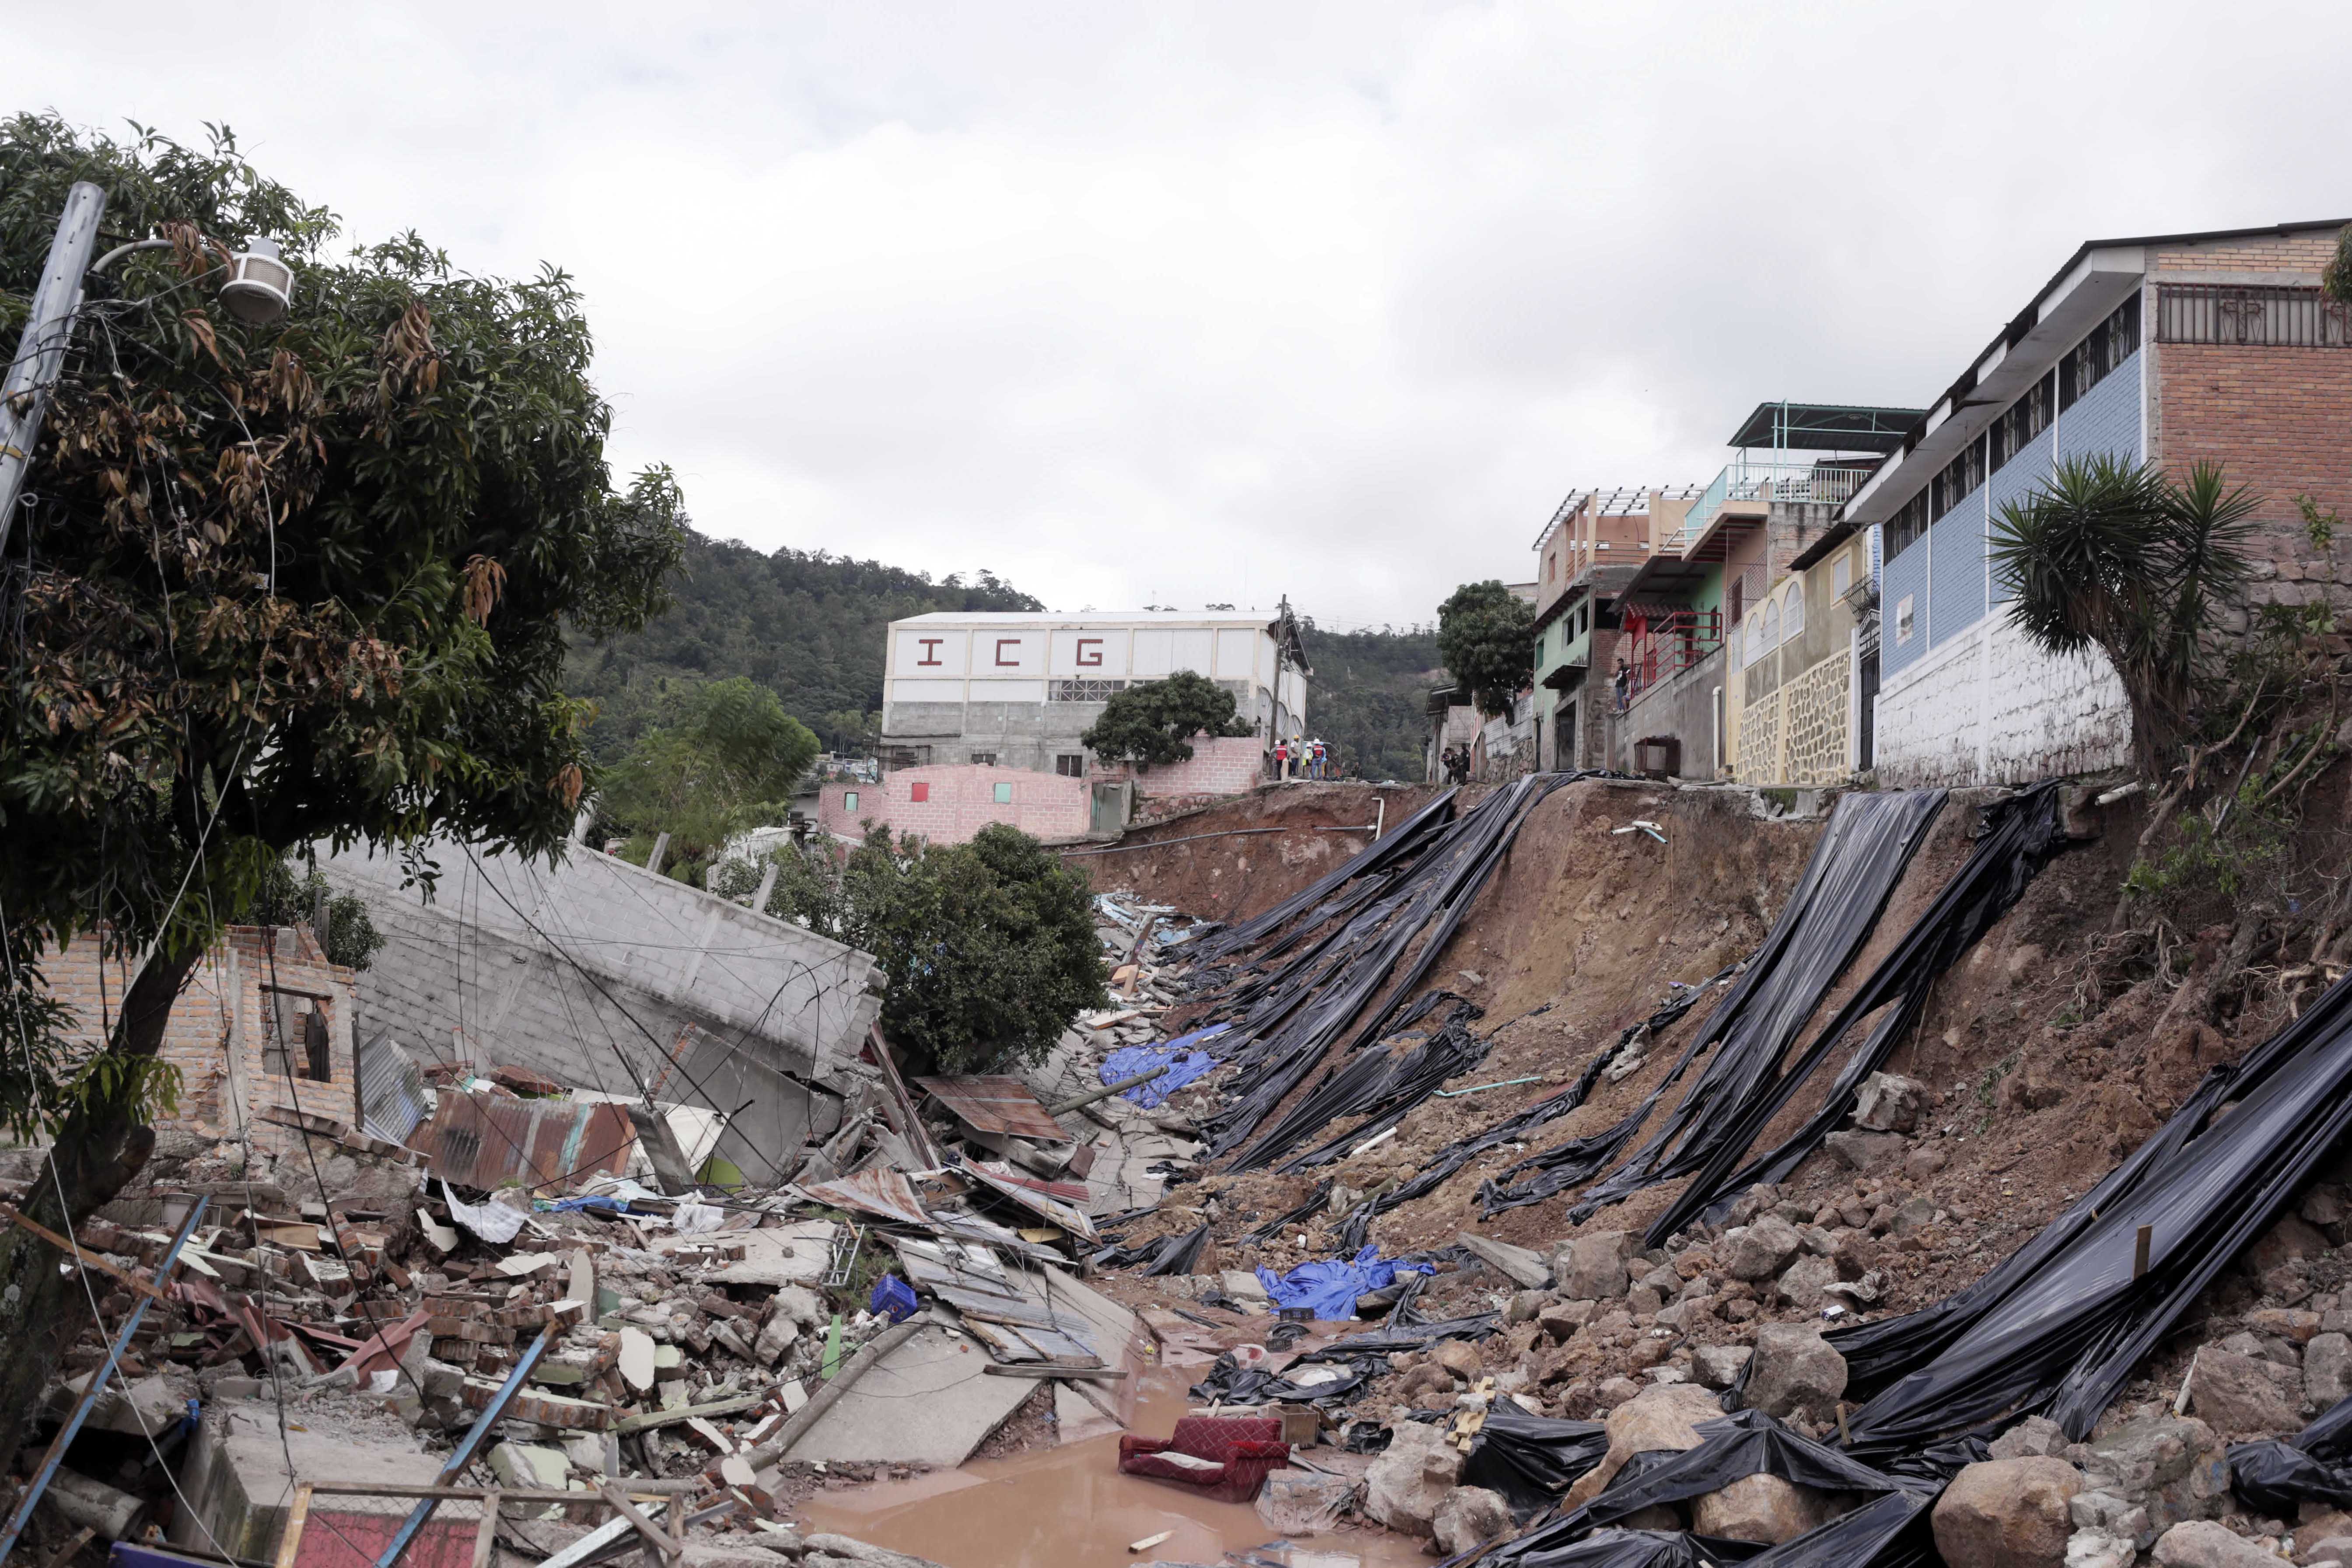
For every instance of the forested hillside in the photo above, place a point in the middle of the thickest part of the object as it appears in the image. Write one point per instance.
(1367, 696)
(810, 626)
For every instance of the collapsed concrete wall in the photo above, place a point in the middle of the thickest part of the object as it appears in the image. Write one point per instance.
(601, 975)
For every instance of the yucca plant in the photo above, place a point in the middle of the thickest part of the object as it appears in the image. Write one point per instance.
(2116, 556)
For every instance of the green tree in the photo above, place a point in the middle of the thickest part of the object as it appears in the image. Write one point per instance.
(1486, 635)
(272, 584)
(289, 896)
(2114, 556)
(1154, 721)
(730, 763)
(989, 947)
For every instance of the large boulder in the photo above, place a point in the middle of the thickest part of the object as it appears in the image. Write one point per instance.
(1661, 1417)
(2243, 1396)
(1888, 1103)
(2201, 1544)
(2007, 1513)
(1470, 1517)
(1859, 1149)
(1793, 1368)
(1593, 1266)
(2158, 1471)
(2327, 1369)
(1759, 1251)
(1719, 1366)
(1806, 1284)
(1403, 1487)
(1762, 1508)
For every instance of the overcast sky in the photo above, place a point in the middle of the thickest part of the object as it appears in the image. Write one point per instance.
(1180, 304)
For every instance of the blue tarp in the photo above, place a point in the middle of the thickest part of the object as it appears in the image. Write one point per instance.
(1330, 1288)
(1189, 1065)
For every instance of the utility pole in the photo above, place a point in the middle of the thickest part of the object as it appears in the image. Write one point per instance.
(41, 351)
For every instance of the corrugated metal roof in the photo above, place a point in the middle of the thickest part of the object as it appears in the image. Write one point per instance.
(1002, 1105)
(880, 1192)
(391, 1089)
(483, 1140)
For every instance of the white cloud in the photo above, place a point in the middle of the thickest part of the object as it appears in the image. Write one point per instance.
(1336, 300)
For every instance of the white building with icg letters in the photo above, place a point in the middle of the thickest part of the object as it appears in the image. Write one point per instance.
(1018, 690)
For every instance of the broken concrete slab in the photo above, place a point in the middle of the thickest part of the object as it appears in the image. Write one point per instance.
(1522, 1266)
(926, 1402)
(787, 1255)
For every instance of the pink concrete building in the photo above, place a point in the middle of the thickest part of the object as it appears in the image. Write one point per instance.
(948, 802)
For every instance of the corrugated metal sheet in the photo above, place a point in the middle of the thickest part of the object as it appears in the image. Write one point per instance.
(1030, 1194)
(996, 1105)
(880, 1192)
(483, 1140)
(392, 1090)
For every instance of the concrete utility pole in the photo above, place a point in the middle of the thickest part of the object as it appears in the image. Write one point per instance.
(41, 351)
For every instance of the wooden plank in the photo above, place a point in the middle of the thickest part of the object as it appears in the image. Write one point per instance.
(298, 1514)
(87, 1259)
(486, 1535)
(669, 1545)
(1093, 1374)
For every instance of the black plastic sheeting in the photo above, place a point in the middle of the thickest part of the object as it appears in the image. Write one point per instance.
(1853, 871)
(2057, 1326)
(1530, 1460)
(2022, 834)
(1169, 1255)
(1286, 1020)
(2277, 1478)
(1443, 1165)
(1745, 1444)
(1409, 837)
(1385, 1087)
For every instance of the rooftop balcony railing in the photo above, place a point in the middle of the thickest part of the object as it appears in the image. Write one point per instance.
(1749, 478)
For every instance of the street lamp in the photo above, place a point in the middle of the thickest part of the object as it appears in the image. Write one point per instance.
(260, 288)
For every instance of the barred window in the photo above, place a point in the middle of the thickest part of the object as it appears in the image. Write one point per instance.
(984, 759)
(1082, 691)
(2089, 362)
(1906, 527)
(2026, 418)
(2255, 315)
(1071, 764)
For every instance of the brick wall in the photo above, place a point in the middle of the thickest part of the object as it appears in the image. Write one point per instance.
(218, 1030)
(961, 800)
(2303, 252)
(1220, 765)
(2279, 421)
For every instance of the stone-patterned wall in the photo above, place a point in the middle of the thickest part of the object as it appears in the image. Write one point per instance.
(1759, 741)
(1815, 709)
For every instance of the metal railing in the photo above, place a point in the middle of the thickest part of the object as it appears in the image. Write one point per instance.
(1664, 648)
(1766, 480)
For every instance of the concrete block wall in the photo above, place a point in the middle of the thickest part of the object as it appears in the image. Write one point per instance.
(503, 945)
(959, 801)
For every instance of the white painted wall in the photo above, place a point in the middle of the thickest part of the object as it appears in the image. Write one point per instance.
(1989, 707)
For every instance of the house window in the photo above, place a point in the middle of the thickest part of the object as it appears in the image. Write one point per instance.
(849, 800)
(1071, 764)
(984, 759)
(919, 790)
(1082, 691)
(1906, 527)
(1794, 620)
(294, 1037)
(1842, 574)
(1004, 794)
(1903, 624)
(2026, 418)
(2111, 342)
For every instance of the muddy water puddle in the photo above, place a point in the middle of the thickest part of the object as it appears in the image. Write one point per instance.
(1068, 1507)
